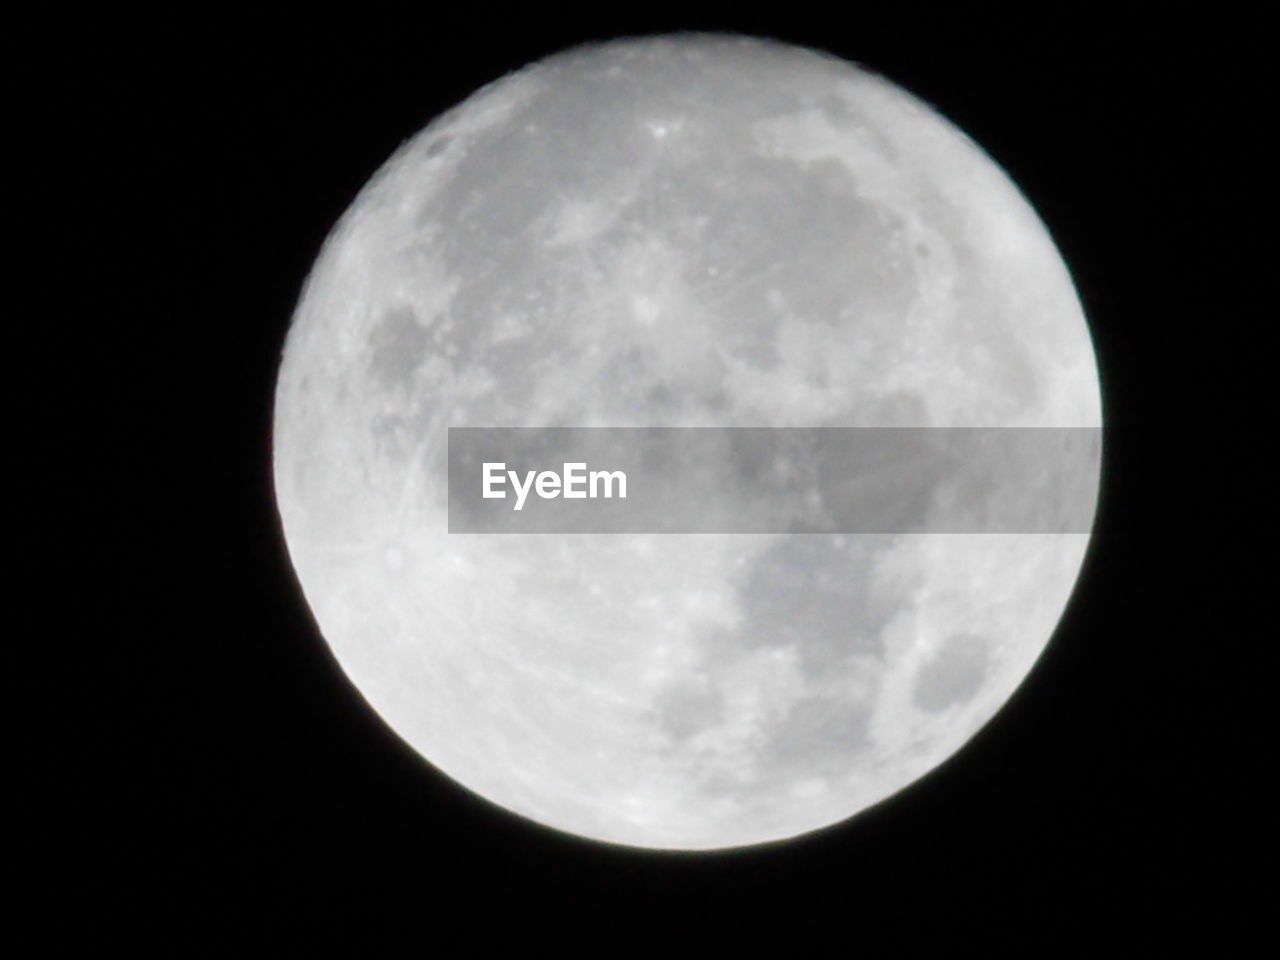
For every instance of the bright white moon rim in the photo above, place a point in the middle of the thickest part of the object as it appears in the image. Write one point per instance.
(678, 231)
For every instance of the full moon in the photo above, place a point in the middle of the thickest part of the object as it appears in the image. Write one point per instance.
(693, 230)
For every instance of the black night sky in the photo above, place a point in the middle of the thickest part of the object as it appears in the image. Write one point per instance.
(255, 798)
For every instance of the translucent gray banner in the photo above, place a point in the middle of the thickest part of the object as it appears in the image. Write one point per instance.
(772, 480)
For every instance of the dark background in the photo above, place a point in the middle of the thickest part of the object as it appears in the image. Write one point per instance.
(253, 796)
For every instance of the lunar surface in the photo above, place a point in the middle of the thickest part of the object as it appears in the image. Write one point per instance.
(675, 231)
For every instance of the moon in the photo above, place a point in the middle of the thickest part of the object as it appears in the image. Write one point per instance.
(689, 230)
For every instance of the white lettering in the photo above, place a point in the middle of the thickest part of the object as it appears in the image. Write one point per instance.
(548, 485)
(570, 478)
(490, 478)
(521, 491)
(608, 478)
(574, 483)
